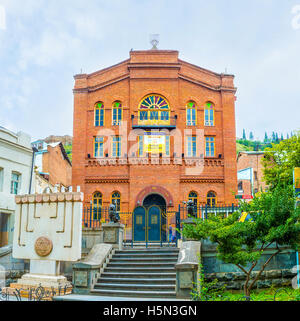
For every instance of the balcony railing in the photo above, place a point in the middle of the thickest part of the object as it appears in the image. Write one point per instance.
(160, 121)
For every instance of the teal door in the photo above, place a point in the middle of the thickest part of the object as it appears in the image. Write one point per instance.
(139, 224)
(154, 223)
(147, 224)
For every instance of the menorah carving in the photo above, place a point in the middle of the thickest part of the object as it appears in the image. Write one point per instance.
(48, 230)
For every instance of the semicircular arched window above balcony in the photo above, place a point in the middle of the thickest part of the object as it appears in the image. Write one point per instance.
(154, 109)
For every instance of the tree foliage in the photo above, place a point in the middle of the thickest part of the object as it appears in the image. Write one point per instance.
(280, 160)
(274, 221)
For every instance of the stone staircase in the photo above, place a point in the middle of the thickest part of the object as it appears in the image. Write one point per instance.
(139, 273)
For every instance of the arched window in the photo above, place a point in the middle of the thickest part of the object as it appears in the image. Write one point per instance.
(99, 114)
(193, 196)
(97, 199)
(117, 113)
(209, 114)
(191, 112)
(211, 199)
(116, 199)
(154, 109)
(97, 204)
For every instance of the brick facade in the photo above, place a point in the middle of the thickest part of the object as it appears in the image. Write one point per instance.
(155, 72)
(56, 164)
(251, 160)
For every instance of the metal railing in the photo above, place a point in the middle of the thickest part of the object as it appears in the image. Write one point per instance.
(171, 220)
(204, 211)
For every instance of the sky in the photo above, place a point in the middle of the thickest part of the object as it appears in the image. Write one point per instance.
(43, 43)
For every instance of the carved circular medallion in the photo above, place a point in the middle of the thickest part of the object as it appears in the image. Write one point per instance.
(43, 246)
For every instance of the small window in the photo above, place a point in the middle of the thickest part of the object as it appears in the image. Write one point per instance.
(99, 114)
(117, 113)
(15, 183)
(209, 115)
(97, 205)
(255, 175)
(116, 200)
(210, 146)
(116, 148)
(193, 196)
(140, 146)
(191, 114)
(191, 146)
(240, 186)
(211, 199)
(98, 146)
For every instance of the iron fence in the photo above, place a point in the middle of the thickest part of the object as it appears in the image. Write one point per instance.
(171, 220)
(205, 211)
(39, 293)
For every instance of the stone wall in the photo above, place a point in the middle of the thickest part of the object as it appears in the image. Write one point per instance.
(14, 268)
(277, 273)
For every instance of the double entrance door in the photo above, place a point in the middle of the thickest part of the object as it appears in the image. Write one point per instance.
(147, 224)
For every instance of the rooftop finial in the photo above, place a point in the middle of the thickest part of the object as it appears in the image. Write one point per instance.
(154, 40)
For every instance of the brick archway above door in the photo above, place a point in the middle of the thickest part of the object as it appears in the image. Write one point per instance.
(154, 189)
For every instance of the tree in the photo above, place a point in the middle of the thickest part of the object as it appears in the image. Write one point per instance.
(244, 134)
(274, 221)
(273, 137)
(279, 161)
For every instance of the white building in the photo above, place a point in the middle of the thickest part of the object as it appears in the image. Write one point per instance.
(16, 163)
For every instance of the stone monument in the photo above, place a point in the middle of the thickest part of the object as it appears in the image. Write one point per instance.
(113, 232)
(47, 230)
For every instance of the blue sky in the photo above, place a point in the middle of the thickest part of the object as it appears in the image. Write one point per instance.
(46, 42)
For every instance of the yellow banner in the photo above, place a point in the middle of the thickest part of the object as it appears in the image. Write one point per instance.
(297, 177)
(154, 144)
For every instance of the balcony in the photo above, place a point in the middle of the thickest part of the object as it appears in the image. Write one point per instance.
(160, 121)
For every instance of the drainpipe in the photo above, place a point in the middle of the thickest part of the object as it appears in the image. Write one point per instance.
(34, 150)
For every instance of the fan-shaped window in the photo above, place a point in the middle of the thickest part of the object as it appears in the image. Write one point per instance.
(117, 113)
(154, 109)
(116, 200)
(191, 112)
(193, 196)
(99, 114)
(211, 199)
(209, 114)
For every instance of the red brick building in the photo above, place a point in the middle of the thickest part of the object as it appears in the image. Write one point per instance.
(252, 161)
(191, 151)
(53, 163)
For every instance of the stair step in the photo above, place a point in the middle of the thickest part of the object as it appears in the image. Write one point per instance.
(146, 255)
(149, 294)
(139, 269)
(143, 259)
(134, 280)
(128, 286)
(138, 275)
(147, 250)
(140, 264)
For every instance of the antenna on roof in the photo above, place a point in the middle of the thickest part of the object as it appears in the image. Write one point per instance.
(154, 40)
